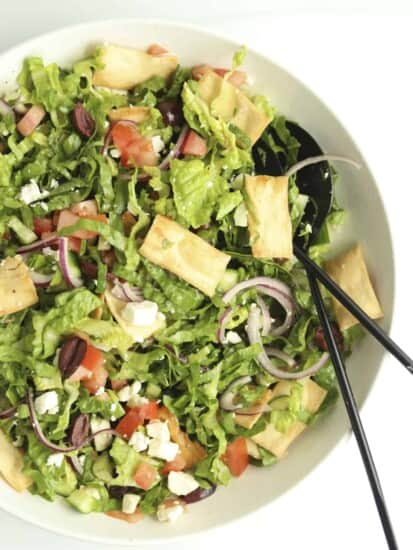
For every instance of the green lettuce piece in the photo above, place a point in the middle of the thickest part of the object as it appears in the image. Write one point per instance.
(89, 498)
(70, 308)
(153, 498)
(110, 409)
(106, 335)
(197, 190)
(239, 57)
(126, 460)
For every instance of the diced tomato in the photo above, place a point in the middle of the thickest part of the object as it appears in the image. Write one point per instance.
(134, 148)
(75, 244)
(236, 456)
(194, 144)
(156, 49)
(175, 465)
(68, 218)
(140, 153)
(108, 257)
(145, 475)
(31, 120)
(42, 225)
(85, 208)
(130, 518)
(93, 358)
(118, 384)
(97, 380)
(80, 374)
(135, 417)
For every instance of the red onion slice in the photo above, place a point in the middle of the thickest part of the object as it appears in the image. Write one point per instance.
(286, 303)
(199, 494)
(49, 444)
(275, 352)
(221, 325)
(265, 316)
(40, 279)
(75, 464)
(176, 151)
(275, 284)
(118, 292)
(266, 363)
(133, 293)
(71, 279)
(320, 158)
(38, 245)
(8, 413)
(226, 401)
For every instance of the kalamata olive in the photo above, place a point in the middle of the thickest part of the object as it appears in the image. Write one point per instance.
(79, 430)
(320, 339)
(83, 121)
(199, 494)
(71, 355)
(119, 491)
(89, 269)
(171, 113)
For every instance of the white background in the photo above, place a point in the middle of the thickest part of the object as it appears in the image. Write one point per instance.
(361, 65)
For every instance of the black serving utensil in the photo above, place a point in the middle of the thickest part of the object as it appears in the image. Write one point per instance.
(316, 182)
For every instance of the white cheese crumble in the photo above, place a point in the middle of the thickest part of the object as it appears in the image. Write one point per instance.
(137, 401)
(165, 450)
(31, 192)
(169, 513)
(55, 460)
(181, 483)
(232, 337)
(141, 314)
(54, 184)
(102, 441)
(47, 403)
(139, 441)
(115, 153)
(158, 430)
(129, 503)
(157, 144)
(100, 391)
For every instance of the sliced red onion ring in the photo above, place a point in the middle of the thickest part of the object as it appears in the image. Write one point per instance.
(71, 279)
(275, 284)
(266, 363)
(75, 464)
(133, 293)
(286, 302)
(320, 158)
(5, 109)
(118, 292)
(38, 245)
(275, 352)
(226, 401)
(221, 325)
(265, 316)
(176, 151)
(8, 413)
(49, 444)
(40, 279)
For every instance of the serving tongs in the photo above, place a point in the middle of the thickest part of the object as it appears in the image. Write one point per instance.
(315, 181)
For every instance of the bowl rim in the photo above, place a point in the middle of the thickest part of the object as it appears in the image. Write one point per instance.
(163, 22)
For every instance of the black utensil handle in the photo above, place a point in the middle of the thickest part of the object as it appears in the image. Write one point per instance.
(354, 309)
(353, 413)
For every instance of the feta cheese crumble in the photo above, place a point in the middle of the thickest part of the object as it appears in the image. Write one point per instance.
(31, 192)
(169, 513)
(232, 337)
(55, 460)
(158, 430)
(141, 314)
(47, 403)
(166, 450)
(129, 503)
(181, 483)
(157, 144)
(139, 441)
(102, 441)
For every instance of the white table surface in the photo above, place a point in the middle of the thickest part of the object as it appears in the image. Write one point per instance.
(368, 83)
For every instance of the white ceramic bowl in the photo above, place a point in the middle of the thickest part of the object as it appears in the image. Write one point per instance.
(367, 223)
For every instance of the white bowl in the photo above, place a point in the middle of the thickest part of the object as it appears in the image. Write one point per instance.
(367, 223)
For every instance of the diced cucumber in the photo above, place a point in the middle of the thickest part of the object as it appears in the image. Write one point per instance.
(23, 233)
(229, 280)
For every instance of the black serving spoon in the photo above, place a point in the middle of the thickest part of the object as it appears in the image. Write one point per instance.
(315, 181)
